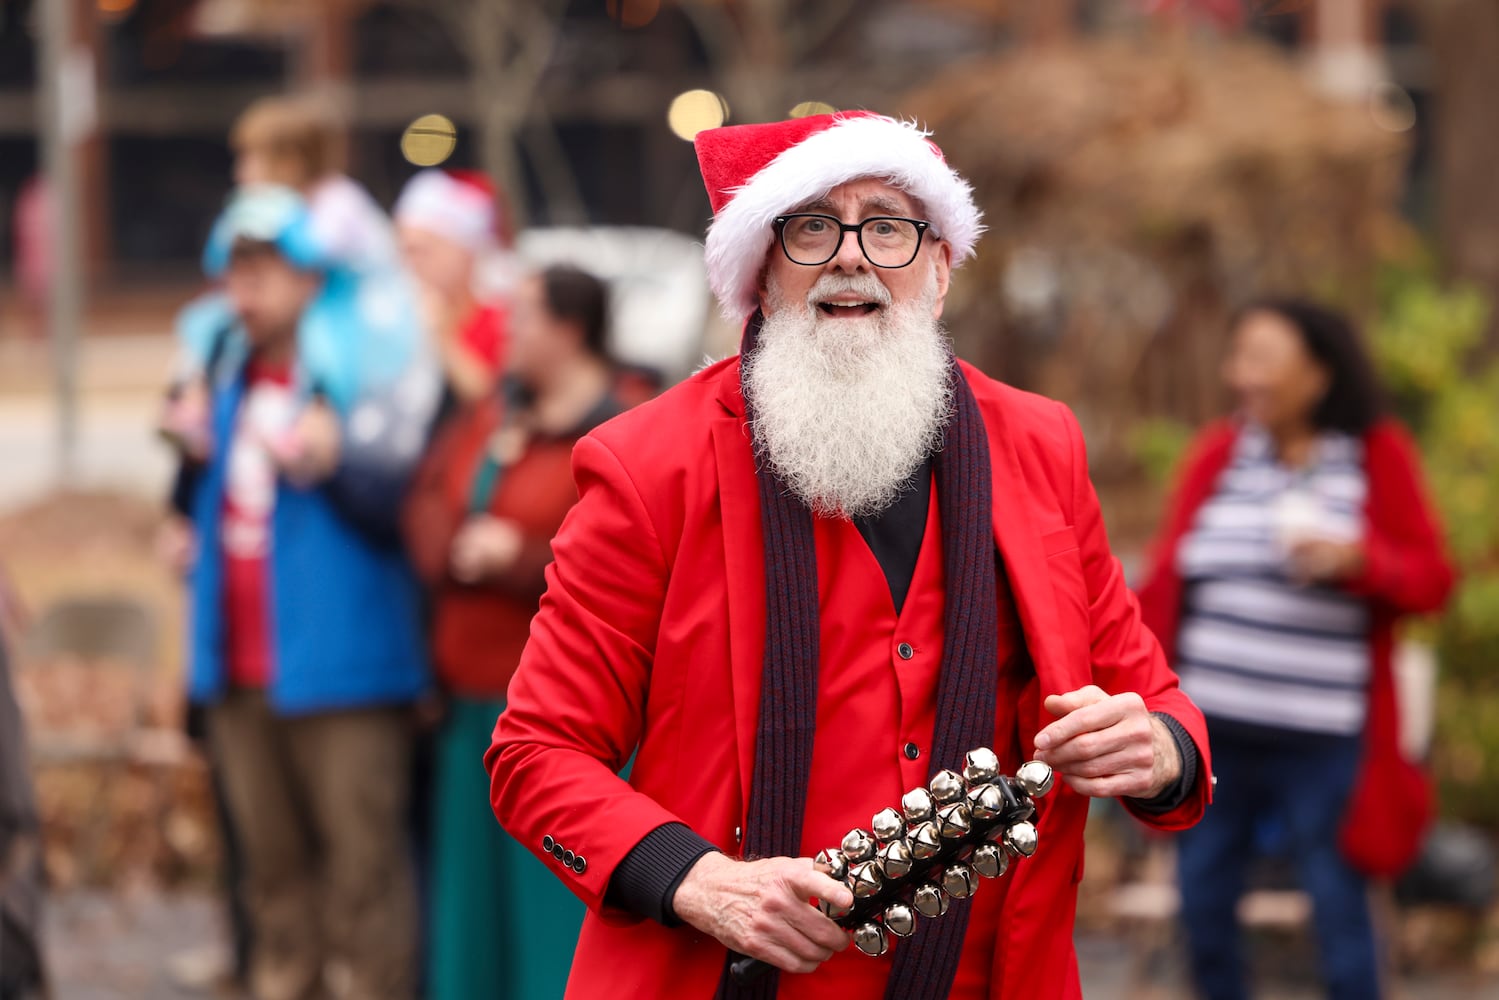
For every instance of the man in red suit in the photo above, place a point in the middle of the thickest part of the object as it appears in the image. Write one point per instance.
(805, 580)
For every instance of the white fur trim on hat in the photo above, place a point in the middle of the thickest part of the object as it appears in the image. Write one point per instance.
(438, 202)
(850, 149)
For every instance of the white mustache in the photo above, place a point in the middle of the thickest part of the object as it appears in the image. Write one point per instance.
(831, 285)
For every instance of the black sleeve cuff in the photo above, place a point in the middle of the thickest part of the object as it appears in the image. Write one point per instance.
(645, 881)
(1186, 782)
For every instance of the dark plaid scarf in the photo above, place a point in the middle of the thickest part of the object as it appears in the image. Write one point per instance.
(924, 964)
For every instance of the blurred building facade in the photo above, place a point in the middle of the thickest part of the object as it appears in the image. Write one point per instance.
(591, 139)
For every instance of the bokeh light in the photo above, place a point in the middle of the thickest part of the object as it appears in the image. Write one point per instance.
(807, 109)
(633, 13)
(114, 10)
(429, 140)
(695, 110)
(1391, 107)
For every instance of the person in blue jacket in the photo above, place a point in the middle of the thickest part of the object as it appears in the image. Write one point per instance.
(305, 643)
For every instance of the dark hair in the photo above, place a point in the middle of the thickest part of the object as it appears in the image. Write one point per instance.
(1354, 400)
(575, 296)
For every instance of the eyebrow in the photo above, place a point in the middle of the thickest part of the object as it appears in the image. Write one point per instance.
(878, 204)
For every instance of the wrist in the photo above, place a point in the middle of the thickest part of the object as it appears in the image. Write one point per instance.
(1168, 759)
(692, 901)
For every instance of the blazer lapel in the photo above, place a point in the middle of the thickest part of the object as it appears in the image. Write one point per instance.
(744, 560)
(1018, 536)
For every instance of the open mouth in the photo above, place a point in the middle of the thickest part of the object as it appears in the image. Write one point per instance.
(848, 310)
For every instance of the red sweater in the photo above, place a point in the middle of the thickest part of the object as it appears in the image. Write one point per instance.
(478, 631)
(1406, 569)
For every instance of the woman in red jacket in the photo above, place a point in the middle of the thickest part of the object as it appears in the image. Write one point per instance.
(1298, 534)
(479, 523)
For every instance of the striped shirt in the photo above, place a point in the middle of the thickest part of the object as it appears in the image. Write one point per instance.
(1256, 647)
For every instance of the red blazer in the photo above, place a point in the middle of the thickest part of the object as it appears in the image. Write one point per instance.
(1406, 570)
(651, 636)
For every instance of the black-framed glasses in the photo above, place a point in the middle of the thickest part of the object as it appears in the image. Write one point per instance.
(886, 240)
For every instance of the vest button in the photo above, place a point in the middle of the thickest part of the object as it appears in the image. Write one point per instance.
(912, 751)
(904, 651)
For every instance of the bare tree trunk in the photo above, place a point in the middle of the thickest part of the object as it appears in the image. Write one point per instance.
(1463, 38)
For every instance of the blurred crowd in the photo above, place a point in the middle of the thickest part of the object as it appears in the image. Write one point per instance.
(374, 454)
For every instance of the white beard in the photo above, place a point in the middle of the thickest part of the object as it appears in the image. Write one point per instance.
(846, 410)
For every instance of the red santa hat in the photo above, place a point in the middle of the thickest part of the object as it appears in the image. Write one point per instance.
(458, 205)
(754, 173)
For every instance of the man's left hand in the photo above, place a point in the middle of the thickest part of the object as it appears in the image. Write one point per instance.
(1108, 746)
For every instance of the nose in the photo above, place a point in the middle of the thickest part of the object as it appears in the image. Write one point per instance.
(850, 256)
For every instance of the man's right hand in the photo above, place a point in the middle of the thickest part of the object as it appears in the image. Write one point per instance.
(762, 909)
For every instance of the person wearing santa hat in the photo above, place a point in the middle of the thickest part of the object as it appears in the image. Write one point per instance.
(804, 581)
(447, 221)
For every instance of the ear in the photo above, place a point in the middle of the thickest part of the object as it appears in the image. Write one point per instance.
(762, 287)
(943, 266)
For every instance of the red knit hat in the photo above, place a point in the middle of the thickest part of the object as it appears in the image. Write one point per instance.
(754, 173)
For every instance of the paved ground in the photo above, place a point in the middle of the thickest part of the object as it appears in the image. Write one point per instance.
(120, 948)
(123, 365)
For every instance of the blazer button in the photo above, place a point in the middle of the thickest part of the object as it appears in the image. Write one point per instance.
(557, 851)
(580, 865)
(738, 835)
(568, 858)
(546, 843)
(904, 651)
(912, 751)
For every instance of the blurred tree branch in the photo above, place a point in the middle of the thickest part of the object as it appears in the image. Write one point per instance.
(761, 49)
(509, 44)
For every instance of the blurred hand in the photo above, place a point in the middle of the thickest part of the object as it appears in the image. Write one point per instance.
(187, 420)
(308, 454)
(1108, 746)
(1320, 560)
(177, 544)
(763, 908)
(484, 547)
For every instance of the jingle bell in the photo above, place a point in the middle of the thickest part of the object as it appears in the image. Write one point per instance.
(887, 825)
(947, 786)
(990, 861)
(980, 765)
(930, 901)
(959, 881)
(953, 821)
(832, 911)
(1035, 777)
(918, 806)
(1021, 839)
(864, 879)
(836, 863)
(924, 840)
(871, 940)
(900, 920)
(895, 859)
(858, 846)
(985, 802)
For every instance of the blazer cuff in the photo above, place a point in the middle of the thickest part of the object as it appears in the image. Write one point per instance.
(645, 880)
(1186, 782)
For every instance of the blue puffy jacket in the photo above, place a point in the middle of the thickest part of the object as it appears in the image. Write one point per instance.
(345, 606)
